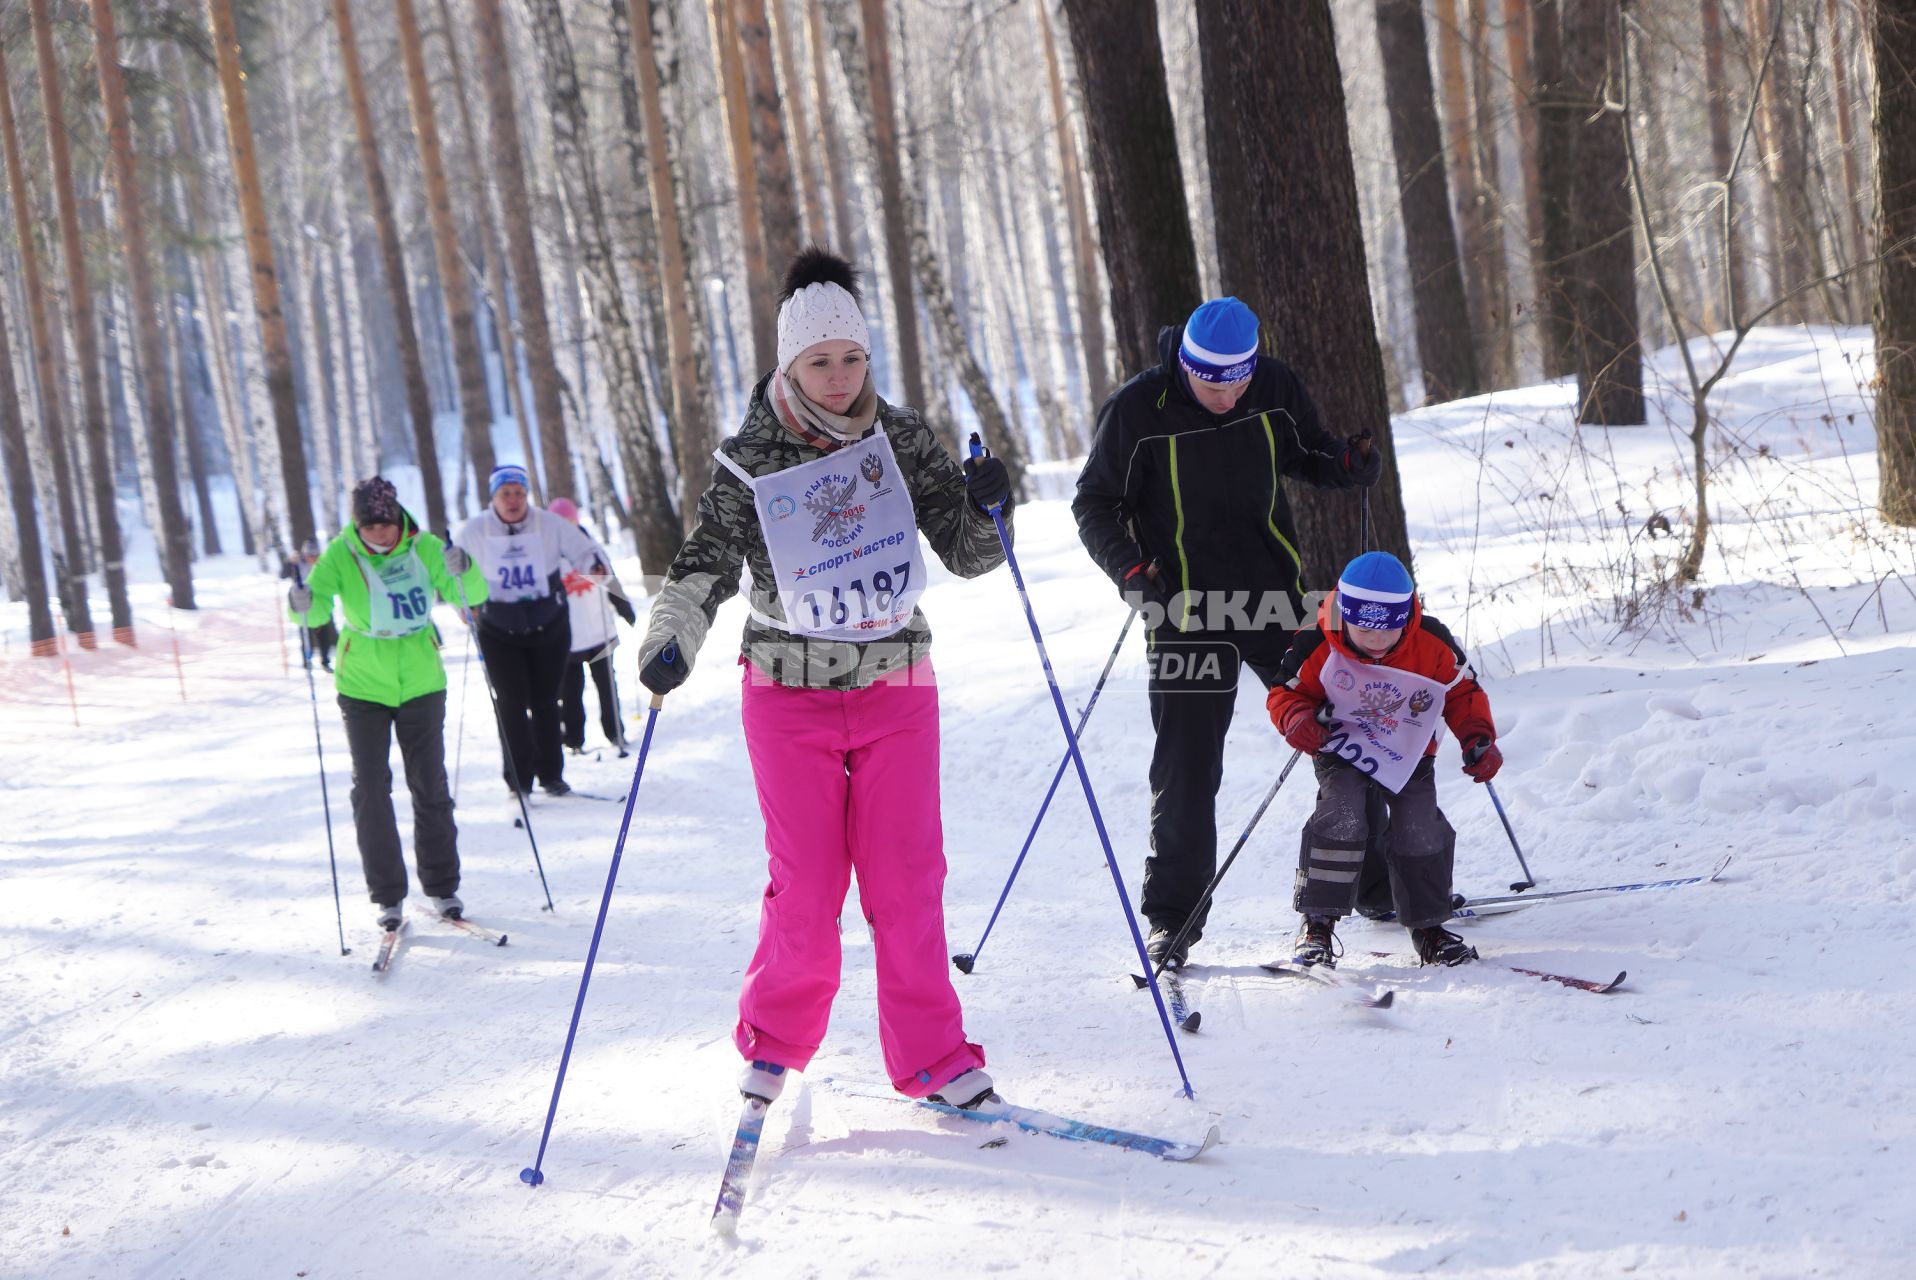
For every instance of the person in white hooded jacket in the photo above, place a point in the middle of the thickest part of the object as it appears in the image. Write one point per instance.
(593, 600)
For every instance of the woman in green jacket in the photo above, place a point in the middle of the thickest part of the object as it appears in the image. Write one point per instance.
(385, 572)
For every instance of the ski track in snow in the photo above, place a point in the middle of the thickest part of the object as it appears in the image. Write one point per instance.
(193, 1082)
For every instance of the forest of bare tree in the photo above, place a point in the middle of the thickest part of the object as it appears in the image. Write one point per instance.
(256, 250)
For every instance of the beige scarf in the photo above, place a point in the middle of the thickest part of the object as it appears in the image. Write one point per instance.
(819, 426)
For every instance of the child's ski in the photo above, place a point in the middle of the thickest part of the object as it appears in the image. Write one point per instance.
(1377, 997)
(388, 948)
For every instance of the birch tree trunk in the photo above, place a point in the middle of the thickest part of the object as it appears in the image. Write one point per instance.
(86, 348)
(658, 524)
(259, 248)
(508, 159)
(72, 582)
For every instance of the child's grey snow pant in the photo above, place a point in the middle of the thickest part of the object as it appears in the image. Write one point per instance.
(1419, 853)
(420, 727)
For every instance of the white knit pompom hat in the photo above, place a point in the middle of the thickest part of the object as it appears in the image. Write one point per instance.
(819, 313)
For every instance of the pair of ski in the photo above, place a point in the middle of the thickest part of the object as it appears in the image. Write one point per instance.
(390, 939)
(751, 1126)
(518, 819)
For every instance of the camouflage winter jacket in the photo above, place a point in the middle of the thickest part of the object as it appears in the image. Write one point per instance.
(705, 573)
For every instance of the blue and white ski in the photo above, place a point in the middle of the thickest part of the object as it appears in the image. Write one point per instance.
(1033, 1121)
(1473, 908)
(738, 1168)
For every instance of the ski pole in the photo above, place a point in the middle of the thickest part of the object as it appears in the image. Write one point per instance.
(965, 960)
(1204, 903)
(534, 1175)
(1471, 756)
(319, 748)
(459, 747)
(499, 721)
(996, 512)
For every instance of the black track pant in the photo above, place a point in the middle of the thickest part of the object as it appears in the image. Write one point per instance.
(1419, 852)
(420, 727)
(1193, 689)
(527, 672)
(572, 701)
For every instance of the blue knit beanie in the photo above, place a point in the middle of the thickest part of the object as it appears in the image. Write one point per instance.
(1220, 342)
(1375, 591)
(510, 473)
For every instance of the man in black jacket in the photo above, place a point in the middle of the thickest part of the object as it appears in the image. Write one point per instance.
(1181, 506)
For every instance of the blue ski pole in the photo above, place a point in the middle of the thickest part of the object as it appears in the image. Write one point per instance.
(534, 1175)
(325, 802)
(1529, 881)
(1084, 779)
(965, 960)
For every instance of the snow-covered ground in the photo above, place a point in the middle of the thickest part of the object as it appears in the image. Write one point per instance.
(193, 1082)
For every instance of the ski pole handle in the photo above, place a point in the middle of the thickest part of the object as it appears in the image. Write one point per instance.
(671, 655)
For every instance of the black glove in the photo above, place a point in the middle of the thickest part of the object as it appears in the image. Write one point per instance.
(623, 607)
(666, 671)
(1362, 459)
(987, 482)
(1150, 585)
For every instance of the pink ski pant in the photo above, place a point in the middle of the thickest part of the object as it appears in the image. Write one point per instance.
(849, 781)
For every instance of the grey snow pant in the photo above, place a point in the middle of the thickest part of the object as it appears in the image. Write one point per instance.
(420, 727)
(1419, 852)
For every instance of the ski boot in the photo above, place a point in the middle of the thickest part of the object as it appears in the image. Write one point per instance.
(1316, 943)
(1438, 945)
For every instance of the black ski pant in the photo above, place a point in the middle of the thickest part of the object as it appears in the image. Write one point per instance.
(572, 701)
(1193, 691)
(420, 726)
(1419, 853)
(527, 671)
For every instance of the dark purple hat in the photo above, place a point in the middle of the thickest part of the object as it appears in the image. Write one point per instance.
(375, 501)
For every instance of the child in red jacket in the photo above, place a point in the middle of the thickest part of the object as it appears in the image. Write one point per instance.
(1360, 698)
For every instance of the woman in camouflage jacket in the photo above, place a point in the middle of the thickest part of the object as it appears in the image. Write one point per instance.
(824, 494)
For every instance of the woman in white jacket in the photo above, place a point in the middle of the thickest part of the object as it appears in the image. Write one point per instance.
(592, 598)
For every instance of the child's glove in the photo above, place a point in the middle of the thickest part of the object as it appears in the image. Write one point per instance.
(1301, 728)
(1482, 759)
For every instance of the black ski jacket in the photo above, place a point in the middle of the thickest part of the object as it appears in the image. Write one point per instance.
(1168, 480)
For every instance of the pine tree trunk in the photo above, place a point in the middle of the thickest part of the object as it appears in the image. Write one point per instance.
(804, 152)
(760, 293)
(1852, 214)
(1893, 44)
(272, 324)
(779, 222)
(495, 258)
(883, 122)
(658, 524)
(1144, 227)
(86, 349)
(1473, 235)
(692, 410)
(393, 255)
(72, 582)
(1602, 270)
(508, 160)
(838, 179)
(188, 419)
(1799, 250)
(475, 401)
(1722, 155)
(1273, 73)
(1444, 349)
(20, 488)
(1084, 248)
